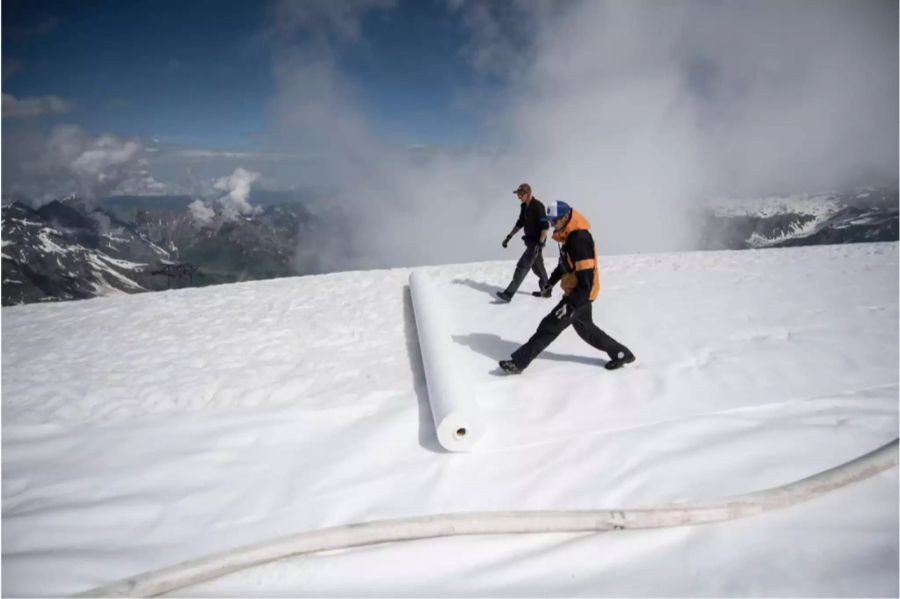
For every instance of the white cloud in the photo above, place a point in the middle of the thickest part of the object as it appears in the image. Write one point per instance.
(213, 154)
(226, 196)
(102, 155)
(67, 160)
(631, 111)
(500, 32)
(334, 19)
(206, 154)
(638, 110)
(141, 183)
(34, 107)
(237, 187)
(202, 213)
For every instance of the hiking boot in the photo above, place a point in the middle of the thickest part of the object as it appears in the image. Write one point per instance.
(509, 367)
(620, 359)
(504, 295)
(543, 293)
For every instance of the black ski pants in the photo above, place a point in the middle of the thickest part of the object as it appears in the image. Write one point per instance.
(551, 327)
(532, 259)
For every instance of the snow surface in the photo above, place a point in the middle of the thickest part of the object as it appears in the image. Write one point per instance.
(47, 244)
(143, 430)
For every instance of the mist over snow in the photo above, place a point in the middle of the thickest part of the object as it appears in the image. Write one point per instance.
(633, 112)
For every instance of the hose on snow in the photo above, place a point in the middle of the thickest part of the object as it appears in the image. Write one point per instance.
(199, 570)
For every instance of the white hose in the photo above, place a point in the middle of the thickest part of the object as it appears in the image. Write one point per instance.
(214, 566)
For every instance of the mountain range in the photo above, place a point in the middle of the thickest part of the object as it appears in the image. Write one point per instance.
(76, 249)
(802, 219)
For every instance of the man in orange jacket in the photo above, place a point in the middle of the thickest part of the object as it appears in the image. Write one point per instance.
(580, 281)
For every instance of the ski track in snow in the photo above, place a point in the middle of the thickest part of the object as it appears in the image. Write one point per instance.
(142, 430)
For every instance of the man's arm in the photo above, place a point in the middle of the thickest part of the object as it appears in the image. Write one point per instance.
(520, 222)
(510, 236)
(555, 276)
(545, 226)
(581, 250)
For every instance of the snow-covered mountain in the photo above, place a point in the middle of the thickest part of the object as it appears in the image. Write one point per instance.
(219, 417)
(803, 219)
(63, 250)
(72, 249)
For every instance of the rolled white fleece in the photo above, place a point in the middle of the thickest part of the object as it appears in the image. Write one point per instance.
(457, 418)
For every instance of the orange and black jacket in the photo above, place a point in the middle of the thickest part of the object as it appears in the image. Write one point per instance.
(577, 270)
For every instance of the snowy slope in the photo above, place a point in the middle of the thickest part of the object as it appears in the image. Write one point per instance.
(143, 430)
(866, 215)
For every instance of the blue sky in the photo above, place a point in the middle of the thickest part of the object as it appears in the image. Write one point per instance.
(195, 72)
(642, 106)
(158, 68)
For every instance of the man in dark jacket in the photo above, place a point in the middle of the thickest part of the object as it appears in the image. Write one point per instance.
(531, 218)
(579, 279)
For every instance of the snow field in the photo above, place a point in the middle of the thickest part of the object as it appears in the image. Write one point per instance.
(139, 431)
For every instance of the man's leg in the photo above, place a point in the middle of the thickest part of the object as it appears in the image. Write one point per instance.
(537, 267)
(548, 330)
(522, 268)
(594, 336)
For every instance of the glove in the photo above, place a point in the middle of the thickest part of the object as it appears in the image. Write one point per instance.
(563, 311)
(506, 241)
(541, 244)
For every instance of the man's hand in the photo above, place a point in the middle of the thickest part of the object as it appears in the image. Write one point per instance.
(506, 240)
(563, 311)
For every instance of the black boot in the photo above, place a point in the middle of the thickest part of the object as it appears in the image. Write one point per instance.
(504, 295)
(620, 359)
(509, 367)
(546, 292)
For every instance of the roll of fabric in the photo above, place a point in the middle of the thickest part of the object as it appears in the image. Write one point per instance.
(457, 419)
